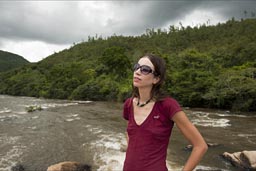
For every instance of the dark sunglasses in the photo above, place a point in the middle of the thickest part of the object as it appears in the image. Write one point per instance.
(144, 69)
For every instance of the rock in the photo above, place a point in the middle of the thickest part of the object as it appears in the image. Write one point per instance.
(244, 159)
(249, 159)
(17, 167)
(190, 147)
(208, 170)
(33, 108)
(69, 166)
(233, 158)
(212, 144)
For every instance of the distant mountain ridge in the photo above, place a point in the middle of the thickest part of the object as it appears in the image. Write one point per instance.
(10, 61)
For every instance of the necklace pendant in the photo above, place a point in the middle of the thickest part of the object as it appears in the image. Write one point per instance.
(143, 104)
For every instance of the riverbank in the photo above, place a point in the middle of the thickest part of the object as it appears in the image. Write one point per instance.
(94, 133)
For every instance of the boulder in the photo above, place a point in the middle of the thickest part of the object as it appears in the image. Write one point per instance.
(244, 159)
(208, 170)
(234, 158)
(212, 144)
(17, 167)
(33, 108)
(249, 159)
(69, 166)
(190, 147)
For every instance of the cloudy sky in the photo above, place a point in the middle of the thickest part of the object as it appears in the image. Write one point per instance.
(36, 29)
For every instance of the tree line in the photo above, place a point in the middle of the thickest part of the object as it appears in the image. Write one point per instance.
(207, 66)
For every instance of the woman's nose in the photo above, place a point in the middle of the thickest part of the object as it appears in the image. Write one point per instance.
(138, 72)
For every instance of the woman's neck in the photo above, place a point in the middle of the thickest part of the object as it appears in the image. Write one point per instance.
(145, 95)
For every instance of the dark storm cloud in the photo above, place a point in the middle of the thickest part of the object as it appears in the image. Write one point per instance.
(151, 14)
(231, 8)
(159, 13)
(35, 21)
(67, 22)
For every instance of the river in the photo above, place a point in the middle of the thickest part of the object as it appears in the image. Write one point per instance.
(93, 133)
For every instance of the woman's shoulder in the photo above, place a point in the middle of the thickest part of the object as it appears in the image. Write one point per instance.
(170, 106)
(128, 101)
(167, 100)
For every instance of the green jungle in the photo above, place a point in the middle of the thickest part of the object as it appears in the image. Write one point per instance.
(207, 66)
(9, 61)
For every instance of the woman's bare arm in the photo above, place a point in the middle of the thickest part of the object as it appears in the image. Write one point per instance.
(194, 137)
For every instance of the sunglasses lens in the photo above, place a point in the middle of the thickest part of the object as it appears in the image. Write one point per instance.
(136, 67)
(145, 69)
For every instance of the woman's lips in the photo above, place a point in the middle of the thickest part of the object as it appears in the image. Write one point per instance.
(136, 79)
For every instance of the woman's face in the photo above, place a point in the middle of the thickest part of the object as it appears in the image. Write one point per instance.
(144, 79)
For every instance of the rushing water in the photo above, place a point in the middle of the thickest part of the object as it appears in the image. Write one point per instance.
(93, 133)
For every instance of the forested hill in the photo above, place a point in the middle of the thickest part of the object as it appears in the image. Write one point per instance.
(208, 66)
(9, 61)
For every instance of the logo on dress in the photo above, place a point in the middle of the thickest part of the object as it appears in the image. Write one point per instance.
(156, 117)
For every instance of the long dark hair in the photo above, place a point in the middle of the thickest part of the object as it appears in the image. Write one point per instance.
(156, 93)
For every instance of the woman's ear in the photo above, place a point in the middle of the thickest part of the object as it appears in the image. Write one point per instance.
(156, 79)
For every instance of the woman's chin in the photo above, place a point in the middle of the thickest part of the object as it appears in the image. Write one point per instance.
(135, 84)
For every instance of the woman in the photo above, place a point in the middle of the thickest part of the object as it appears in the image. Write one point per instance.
(151, 117)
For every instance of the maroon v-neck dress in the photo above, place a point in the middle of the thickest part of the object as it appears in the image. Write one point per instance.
(148, 142)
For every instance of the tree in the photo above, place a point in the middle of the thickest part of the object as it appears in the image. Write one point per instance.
(115, 62)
